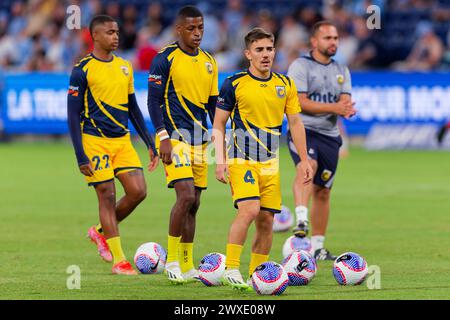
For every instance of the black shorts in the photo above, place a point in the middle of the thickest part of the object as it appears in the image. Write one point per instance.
(325, 150)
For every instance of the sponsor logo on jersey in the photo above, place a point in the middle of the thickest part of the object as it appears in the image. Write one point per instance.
(125, 70)
(156, 78)
(73, 91)
(281, 91)
(220, 101)
(311, 151)
(326, 175)
(209, 67)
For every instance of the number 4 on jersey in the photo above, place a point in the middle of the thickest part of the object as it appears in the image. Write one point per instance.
(248, 177)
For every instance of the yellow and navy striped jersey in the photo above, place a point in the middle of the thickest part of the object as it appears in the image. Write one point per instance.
(104, 87)
(257, 109)
(184, 83)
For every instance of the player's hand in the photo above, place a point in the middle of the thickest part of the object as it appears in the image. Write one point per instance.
(165, 151)
(345, 108)
(154, 159)
(222, 173)
(86, 169)
(305, 172)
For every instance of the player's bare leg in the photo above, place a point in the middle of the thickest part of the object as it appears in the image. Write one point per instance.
(187, 241)
(320, 211)
(185, 193)
(106, 194)
(262, 241)
(302, 195)
(135, 188)
(247, 213)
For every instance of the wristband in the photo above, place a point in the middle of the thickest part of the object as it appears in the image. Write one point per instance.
(163, 135)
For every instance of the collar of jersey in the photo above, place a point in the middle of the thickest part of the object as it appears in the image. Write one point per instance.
(259, 79)
(312, 58)
(102, 59)
(189, 54)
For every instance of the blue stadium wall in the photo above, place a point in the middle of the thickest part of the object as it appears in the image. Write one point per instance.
(35, 103)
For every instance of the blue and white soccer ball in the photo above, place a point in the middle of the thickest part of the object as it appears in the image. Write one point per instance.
(270, 278)
(350, 269)
(301, 268)
(283, 221)
(294, 243)
(150, 258)
(211, 269)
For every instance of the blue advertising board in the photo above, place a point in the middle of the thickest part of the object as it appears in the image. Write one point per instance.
(36, 102)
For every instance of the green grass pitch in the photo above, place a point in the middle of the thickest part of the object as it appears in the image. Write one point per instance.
(393, 208)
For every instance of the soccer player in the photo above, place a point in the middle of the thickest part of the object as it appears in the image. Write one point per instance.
(256, 100)
(324, 92)
(101, 99)
(182, 89)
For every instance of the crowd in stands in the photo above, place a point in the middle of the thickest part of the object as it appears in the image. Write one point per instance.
(413, 34)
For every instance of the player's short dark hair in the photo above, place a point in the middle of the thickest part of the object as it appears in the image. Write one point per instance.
(100, 19)
(189, 12)
(257, 34)
(319, 24)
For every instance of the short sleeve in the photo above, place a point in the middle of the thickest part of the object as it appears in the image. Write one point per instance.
(298, 73)
(131, 82)
(227, 98)
(77, 83)
(158, 74)
(347, 86)
(215, 84)
(292, 102)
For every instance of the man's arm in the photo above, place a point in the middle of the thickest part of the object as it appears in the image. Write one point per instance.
(157, 79)
(225, 105)
(344, 106)
(75, 106)
(218, 137)
(299, 138)
(138, 122)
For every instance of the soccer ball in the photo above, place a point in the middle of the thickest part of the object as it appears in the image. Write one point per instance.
(211, 269)
(350, 269)
(282, 221)
(270, 278)
(294, 243)
(300, 267)
(150, 258)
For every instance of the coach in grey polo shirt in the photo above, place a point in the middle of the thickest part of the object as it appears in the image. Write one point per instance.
(324, 91)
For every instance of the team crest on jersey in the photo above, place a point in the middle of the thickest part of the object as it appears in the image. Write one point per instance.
(209, 67)
(125, 70)
(340, 78)
(326, 175)
(281, 91)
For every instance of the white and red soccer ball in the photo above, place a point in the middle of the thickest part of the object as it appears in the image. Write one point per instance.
(150, 258)
(294, 243)
(211, 269)
(283, 221)
(350, 269)
(301, 268)
(270, 278)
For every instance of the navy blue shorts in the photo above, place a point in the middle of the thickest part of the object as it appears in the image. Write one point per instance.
(323, 149)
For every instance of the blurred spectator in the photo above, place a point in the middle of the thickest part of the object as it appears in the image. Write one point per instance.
(147, 26)
(17, 21)
(145, 52)
(427, 52)
(366, 51)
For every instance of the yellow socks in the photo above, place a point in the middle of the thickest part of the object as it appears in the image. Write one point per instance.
(186, 258)
(172, 248)
(255, 260)
(116, 249)
(99, 229)
(233, 255)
